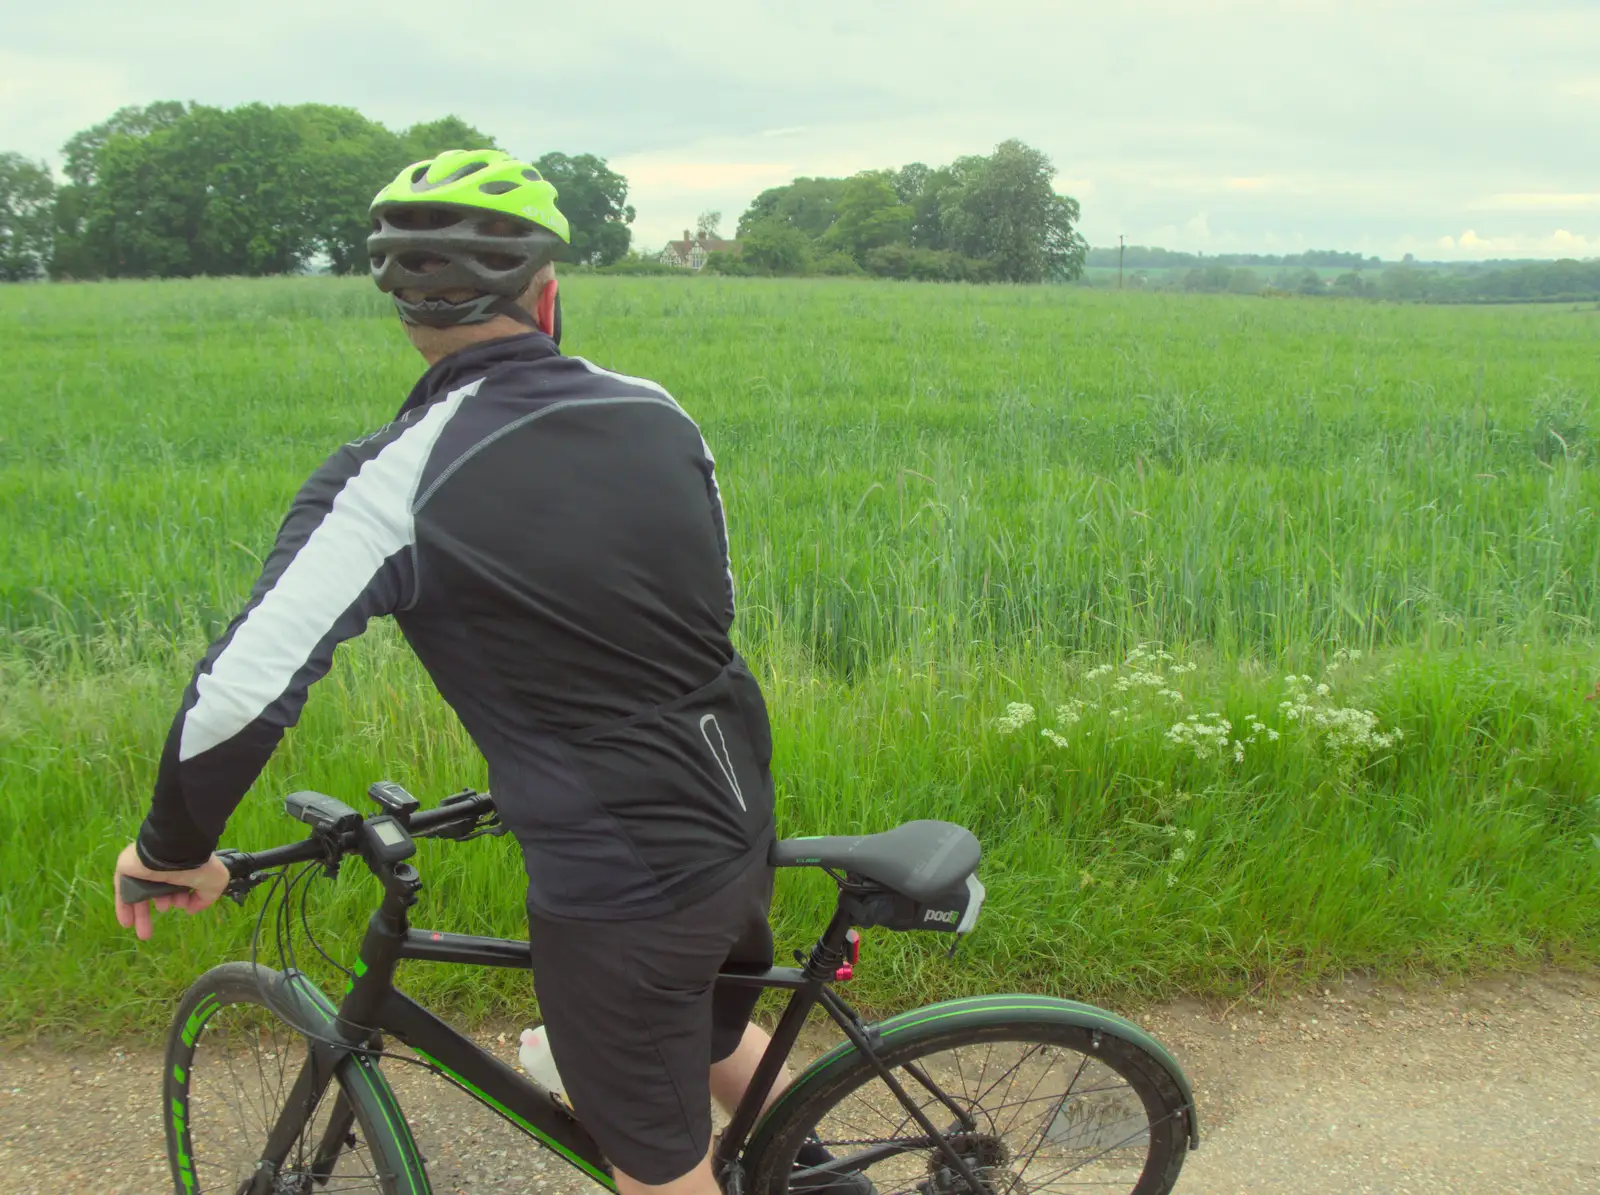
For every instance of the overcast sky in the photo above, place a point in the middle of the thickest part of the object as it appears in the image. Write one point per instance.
(1447, 128)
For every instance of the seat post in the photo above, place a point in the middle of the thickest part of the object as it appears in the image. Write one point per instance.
(828, 953)
(820, 967)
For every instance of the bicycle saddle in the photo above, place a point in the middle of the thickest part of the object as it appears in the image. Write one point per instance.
(921, 859)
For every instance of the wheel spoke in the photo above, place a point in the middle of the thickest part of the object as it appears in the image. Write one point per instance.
(1051, 1114)
(1103, 1153)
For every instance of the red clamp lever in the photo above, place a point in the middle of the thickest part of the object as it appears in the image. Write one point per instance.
(852, 956)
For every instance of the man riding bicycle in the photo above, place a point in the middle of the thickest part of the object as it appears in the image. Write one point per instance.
(549, 536)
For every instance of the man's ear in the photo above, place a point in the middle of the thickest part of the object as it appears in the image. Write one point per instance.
(544, 310)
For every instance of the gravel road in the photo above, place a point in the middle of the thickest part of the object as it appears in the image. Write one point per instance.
(1492, 1087)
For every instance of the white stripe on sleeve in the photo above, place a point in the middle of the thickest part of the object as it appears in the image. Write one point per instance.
(370, 520)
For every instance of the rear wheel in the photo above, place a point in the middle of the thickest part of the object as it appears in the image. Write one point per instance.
(230, 1066)
(1033, 1104)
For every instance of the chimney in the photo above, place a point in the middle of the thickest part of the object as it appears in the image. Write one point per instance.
(687, 239)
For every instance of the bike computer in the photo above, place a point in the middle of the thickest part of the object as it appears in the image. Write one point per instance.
(385, 840)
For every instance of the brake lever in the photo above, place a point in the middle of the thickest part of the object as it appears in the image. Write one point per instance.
(239, 886)
(493, 828)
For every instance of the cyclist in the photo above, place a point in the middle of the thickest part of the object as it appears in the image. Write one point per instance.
(549, 537)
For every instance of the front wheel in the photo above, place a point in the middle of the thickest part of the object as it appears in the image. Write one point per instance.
(231, 1063)
(1036, 1096)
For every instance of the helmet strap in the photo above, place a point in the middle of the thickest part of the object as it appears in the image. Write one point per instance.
(509, 306)
(480, 309)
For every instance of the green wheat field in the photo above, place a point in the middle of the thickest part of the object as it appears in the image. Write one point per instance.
(1251, 636)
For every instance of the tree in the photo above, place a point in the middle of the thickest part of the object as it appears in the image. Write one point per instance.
(1405, 282)
(432, 138)
(347, 159)
(708, 225)
(352, 159)
(807, 204)
(773, 247)
(1349, 285)
(81, 152)
(911, 180)
(72, 255)
(1311, 284)
(1007, 211)
(934, 194)
(27, 217)
(594, 199)
(216, 192)
(175, 189)
(869, 215)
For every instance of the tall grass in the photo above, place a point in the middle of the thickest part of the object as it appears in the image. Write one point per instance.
(943, 501)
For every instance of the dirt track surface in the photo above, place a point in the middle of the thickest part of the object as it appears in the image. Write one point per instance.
(1472, 1090)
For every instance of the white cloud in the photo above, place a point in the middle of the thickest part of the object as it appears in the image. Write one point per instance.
(1560, 242)
(1523, 201)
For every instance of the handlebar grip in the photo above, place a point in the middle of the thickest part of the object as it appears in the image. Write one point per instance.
(133, 889)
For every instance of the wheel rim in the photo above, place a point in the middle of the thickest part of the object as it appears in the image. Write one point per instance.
(1045, 1117)
(239, 1078)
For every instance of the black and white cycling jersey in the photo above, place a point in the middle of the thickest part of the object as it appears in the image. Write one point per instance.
(549, 536)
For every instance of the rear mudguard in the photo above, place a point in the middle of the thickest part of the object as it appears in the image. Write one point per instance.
(999, 1009)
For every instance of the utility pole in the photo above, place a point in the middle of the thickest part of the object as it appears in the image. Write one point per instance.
(1120, 246)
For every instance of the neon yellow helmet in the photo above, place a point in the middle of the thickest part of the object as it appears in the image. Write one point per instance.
(491, 221)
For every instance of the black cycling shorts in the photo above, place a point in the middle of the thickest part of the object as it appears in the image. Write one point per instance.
(635, 1020)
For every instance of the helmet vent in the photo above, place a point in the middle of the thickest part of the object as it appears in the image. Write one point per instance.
(503, 226)
(499, 261)
(532, 175)
(498, 187)
(421, 218)
(421, 263)
(419, 173)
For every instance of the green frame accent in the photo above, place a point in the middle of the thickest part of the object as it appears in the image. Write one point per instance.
(377, 1085)
(488, 1100)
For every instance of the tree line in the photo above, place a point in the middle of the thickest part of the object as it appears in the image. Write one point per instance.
(979, 219)
(175, 189)
(1567, 280)
(1149, 257)
(1560, 281)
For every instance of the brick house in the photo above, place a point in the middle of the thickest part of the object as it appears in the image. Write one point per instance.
(691, 252)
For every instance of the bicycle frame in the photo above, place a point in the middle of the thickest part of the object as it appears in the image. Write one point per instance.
(372, 1007)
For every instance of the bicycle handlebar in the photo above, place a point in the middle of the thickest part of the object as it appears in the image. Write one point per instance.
(462, 811)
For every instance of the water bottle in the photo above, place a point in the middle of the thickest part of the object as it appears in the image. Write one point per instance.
(534, 1054)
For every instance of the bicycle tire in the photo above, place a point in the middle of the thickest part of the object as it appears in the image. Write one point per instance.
(376, 1139)
(815, 1099)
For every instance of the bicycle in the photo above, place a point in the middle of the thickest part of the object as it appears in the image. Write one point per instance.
(917, 1103)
